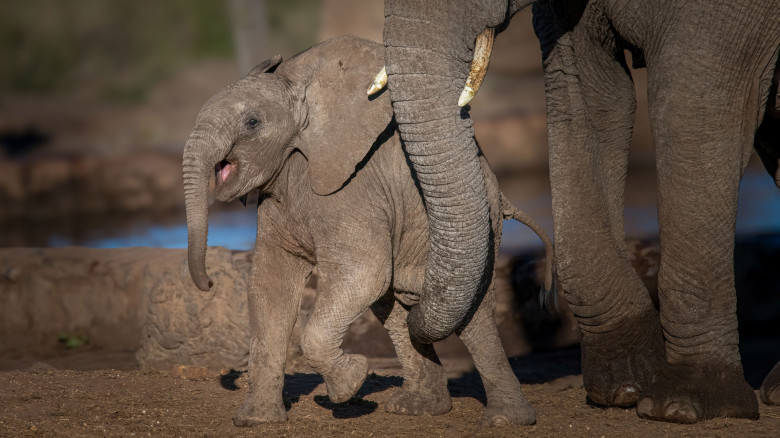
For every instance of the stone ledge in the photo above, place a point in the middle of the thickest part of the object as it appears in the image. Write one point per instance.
(143, 298)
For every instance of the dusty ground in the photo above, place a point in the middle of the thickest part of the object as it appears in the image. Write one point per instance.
(99, 389)
(41, 400)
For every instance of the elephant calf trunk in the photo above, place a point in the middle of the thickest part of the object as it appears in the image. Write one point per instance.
(197, 166)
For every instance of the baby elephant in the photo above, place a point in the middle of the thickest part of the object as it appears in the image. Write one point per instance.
(336, 193)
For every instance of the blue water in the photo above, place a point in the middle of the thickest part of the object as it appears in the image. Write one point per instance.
(759, 212)
(234, 229)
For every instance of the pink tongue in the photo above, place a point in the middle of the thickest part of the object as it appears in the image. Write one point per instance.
(225, 171)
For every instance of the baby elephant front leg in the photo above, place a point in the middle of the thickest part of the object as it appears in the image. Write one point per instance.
(342, 296)
(277, 283)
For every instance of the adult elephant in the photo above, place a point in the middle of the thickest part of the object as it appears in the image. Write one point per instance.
(710, 67)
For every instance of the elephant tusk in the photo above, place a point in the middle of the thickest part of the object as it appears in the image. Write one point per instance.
(482, 49)
(380, 81)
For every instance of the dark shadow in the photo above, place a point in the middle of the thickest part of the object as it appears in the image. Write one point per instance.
(17, 143)
(535, 368)
(757, 282)
(352, 408)
(228, 380)
(543, 315)
(468, 385)
(375, 383)
(545, 366)
(298, 384)
(376, 95)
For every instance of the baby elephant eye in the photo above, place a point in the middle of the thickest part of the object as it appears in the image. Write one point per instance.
(251, 123)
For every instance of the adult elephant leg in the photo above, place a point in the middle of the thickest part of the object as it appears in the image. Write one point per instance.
(424, 390)
(770, 388)
(702, 149)
(591, 105)
(276, 285)
(505, 401)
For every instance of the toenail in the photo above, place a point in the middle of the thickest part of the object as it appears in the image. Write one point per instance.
(499, 420)
(595, 396)
(645, 407)
(626, 396)
(680, 412)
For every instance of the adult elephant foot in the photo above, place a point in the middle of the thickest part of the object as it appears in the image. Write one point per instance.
(255, 410)
(770, 389)
(345, 379)
(508, 410)
(618, 365)
(431, 401)
(689, 394)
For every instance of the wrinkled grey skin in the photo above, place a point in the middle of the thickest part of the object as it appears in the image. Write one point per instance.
(337, 193)
(710, 67)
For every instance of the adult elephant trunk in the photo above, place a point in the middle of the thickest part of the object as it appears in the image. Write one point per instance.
(428, 55)
(201, 153)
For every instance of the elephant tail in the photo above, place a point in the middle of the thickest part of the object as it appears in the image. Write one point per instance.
(547, 295)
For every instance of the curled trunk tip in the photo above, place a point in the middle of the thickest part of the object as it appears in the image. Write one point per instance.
(199, 276)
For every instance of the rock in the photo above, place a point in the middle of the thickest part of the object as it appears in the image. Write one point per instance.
(45, 292)
(186, 326)
(143, 299)
(189, 372)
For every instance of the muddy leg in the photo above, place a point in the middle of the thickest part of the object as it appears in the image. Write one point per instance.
(505, 401)
(344, 291)
(424, 390)
(770, 389)
(700, 163)
(591, 107)
(275, 288)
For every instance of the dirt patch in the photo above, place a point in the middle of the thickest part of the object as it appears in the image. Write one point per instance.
(48, 389)
(40, 401)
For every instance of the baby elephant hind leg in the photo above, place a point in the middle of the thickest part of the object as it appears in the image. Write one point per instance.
(505, 401)
(424, 390)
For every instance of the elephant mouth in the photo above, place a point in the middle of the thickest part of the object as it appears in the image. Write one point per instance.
(223, 170)
(226, 173)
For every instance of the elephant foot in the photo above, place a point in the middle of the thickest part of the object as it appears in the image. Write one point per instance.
(618, 365)
(688, 394)
(407, 402)
(515, 411)
(255, 411)
(346, 378)
(770, 389)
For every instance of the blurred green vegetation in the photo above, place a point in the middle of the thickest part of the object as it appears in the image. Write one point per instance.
(119, 49)
(292, 25)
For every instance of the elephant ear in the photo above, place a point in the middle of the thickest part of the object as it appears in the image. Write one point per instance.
(340, 123)
(267, 66)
